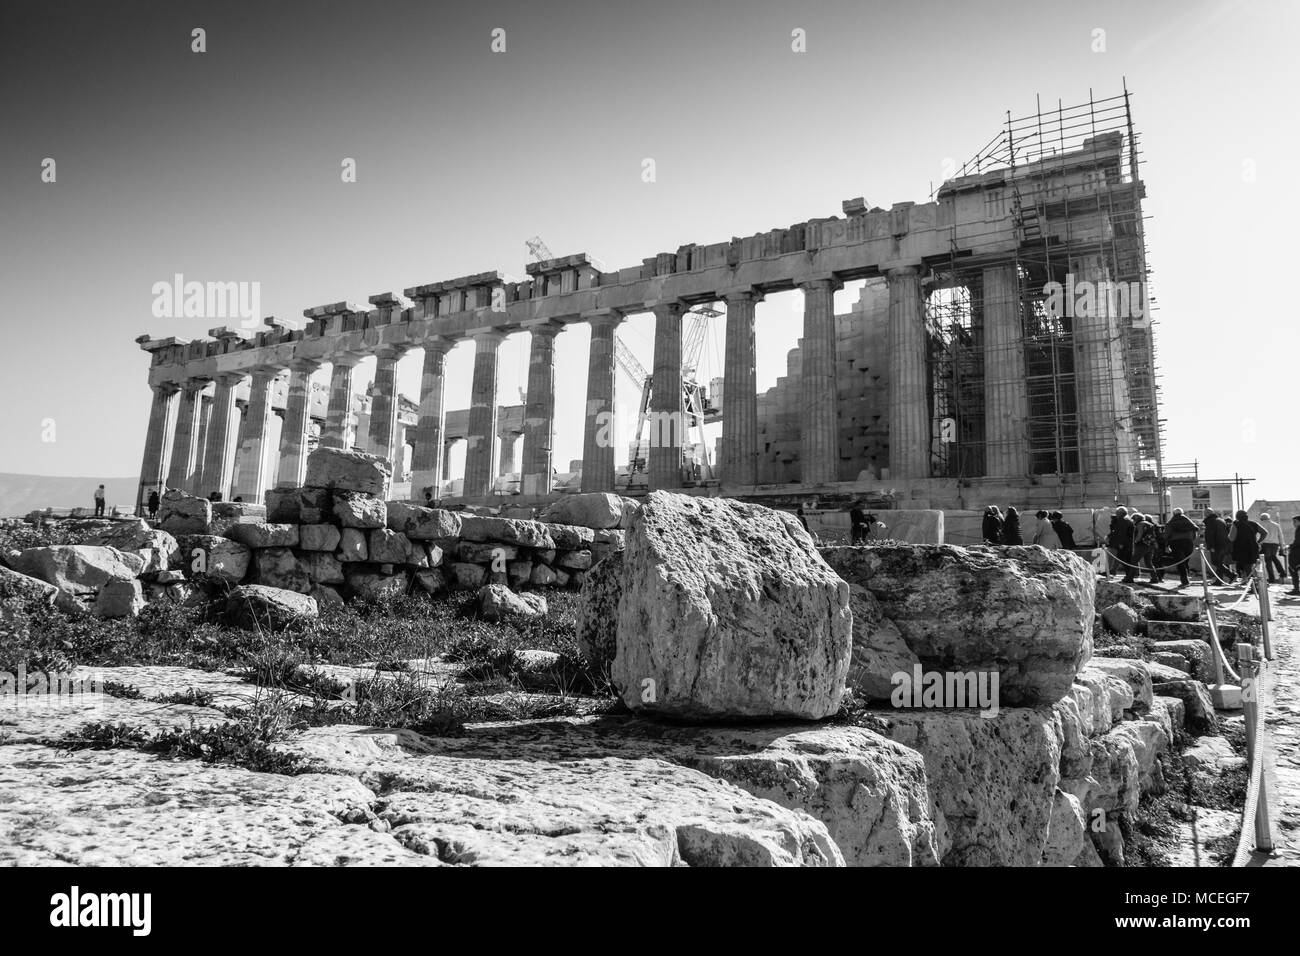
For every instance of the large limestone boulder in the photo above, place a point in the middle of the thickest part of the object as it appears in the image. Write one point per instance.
(728, 611)
(1022, 611)
(1134, 673)
(280, 568)
(497, 602)
(371, 585)
(156, 547)
(265, 535)
(1067, 833)
(209, 557)
(120, 599)
(1198, 707)
(78, 569)
(258, 607)
(23, 594)
(228, 515)
(993, 779)
(318, 537)
(422, 524)
(354, 509)
(340, 470)
(527, 534)
(179, 513)
(1177, 607)
(596, 510)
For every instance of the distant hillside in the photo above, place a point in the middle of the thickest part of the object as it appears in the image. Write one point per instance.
(20, 494)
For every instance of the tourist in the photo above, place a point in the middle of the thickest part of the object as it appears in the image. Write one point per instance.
(99, 502)
(153, 503)
(1119, 541)
(859, 523)
(1245, 536)
(1293, 555)
(798, 513)
(1064, 532)
(1271, 546)
(1216, 544)
(1181, 532)
(992, 527)
(1011, 528)
(428, 497)
(1045, 535)
(1147, 546)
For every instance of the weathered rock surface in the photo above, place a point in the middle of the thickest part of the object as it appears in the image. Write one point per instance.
(728, 611)
(134, 534)
(265, 535)
(374, 586)
(281, 568)
(527, 534)
(879, 651)
(179, 513)
(597, 623)
(256, 606)
(389, 547)
(1067, 832)
(23, 593)
(1198, 708)
(1196, 653)
(1132, 672)
(355, 509)
(569, 537)
(340, 470)
(1022, 611)
(78, 569)
(992, 779)
(422, 524)
(318, 537)
(207, 557)
(1177, 607)
(119, 599)
(1121, 619)
(352, 545)
(497, 602)
(593, 510)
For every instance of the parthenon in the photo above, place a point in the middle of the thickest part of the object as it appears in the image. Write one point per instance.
(968, 369)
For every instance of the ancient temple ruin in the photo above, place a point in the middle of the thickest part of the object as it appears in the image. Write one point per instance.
(1001, 345)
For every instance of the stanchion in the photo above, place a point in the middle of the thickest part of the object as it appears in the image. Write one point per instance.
(1265, 607)
(1256, 796)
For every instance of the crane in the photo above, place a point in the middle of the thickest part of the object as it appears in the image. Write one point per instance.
(538, 249)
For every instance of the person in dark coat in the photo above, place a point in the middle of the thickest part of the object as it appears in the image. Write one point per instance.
(1119, 541)
(1245, 536)
(1011, 528)
(1216, 543)
(1293, 556)
(1181, 532)
(1062, 529)
(803, 520)
(992, 527)
(153, 504)
(1145, 545)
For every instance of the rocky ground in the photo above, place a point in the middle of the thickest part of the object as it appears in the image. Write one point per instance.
(419, 732)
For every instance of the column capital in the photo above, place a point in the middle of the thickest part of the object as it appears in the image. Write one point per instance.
(900, 268)
(197, 383)
(824, 283)
(595, 317)
(741, 293)
(671, 307)
(346, 359)
(544, 327)
(392, 350)
(305, 365)
(487, 336)
(166, 388)
(229, 379)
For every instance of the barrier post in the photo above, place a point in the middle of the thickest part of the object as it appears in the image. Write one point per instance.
(1254, 746)
(1265, 607)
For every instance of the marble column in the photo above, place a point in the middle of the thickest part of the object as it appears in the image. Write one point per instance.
(185, 448)
(535, 477)
(1006, 402)
(598, 435)
(740, 393)
(251, 474)
(819, 453)
(157, 442)
(383, 408)
(480, 454)
(667, 417)
(297, 422)
(447, 446)
(337, 431)
(218, 460)
(197, 483)
(909, 406)
(429, 460)
(1100, 388)
(507, 463)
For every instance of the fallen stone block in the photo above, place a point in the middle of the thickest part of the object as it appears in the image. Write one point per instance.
(1198, 707)
(318, 537)
(322, 568)
(265, 535)
(1022, 611)
(1196, 653)
(78, 569)
(464, 576)
(1067, 831)
(567, 537)
(527, 534)
(574, 560)
(119, 599)
(179, 513)
(1177, 607)
(354, 471)
(23, 594)
(354, 509)
(431, 580)
(369, 585)
(352, 545)
(389, 547)
(1121, 619)
(280, 568)
(206, 557)
(497, 602)
(727, 611)
(483, 552)
(594, 510)
(257, 606)
(1132, 672)
(879, 651)
(422, 524)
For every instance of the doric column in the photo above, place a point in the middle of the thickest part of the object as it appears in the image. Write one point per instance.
(740, 393)
(480, 456)
(297, 420)
(507, 463)
(909, 407)
(820, 448)
(185, 448)
(598, 435)
(1100, 389)
(337, 432)
(1006, 403)
(251, 473)
(383, 408)
(197, 482)
(667, 418)
(218, 462)
(446, 458)
(157, 442)
(428, 463)
(539, 411)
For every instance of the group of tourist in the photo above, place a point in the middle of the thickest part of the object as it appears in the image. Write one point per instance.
(1050, 529)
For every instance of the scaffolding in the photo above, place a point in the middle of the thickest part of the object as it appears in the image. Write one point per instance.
(1083, 390)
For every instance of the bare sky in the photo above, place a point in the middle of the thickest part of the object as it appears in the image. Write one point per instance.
(225, 166)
